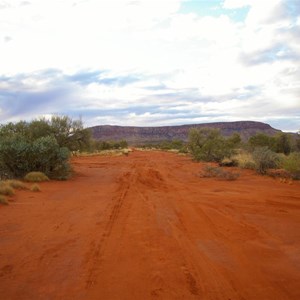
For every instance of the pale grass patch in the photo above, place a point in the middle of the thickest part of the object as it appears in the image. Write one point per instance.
(3, 200)
(16, 184)
(36, 177)
(6, 189)
(35, 188)
(244, 160)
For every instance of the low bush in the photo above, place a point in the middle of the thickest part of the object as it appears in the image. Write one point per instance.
(35, 188)
(36, 177)
(219, 173)
(265, 159)
(16, 184)
(19, 156)
(126, 152)
(228, 162)
(291, 163)
(177, 146)
(97, 145)
(6, 189)
(209, 145)
(3, 200)
(244, 160)
(279, 173)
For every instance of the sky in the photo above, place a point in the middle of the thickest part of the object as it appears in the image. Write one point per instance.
(151, 62)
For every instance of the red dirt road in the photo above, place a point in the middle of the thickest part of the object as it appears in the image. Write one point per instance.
(147, 226)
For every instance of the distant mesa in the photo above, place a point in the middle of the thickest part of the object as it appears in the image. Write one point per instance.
(140, 135)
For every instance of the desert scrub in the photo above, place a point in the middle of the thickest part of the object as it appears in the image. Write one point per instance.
(209, 145)
(291, 163)
(6, 189)
(35, 188)
(3, 200)
(36, 177)
(228, 162)
(265, 159)
(219, 173)
(16, 184)
(244, 160)
(126, 151)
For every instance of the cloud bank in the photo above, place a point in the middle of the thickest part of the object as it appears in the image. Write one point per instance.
(151, 62)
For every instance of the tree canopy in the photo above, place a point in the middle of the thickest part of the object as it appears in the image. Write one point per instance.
(41, 145)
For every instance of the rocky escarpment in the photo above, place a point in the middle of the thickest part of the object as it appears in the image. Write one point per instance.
(139, 135)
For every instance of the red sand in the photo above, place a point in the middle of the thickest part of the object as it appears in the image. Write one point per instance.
(147, 226)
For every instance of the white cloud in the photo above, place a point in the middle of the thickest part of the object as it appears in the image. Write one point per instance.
(211, 60)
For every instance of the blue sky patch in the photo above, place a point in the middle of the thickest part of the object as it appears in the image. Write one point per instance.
(213, 8)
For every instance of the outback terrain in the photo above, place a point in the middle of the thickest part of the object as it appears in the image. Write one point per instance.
(147, 226)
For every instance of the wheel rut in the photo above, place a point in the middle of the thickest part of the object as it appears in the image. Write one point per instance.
(98, 247)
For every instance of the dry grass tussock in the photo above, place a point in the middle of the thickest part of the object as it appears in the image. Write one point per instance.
(244, 160)
(115, 152)
(35, 188)
(3, 200)
(16, 184)
(6, 189)
(36, 177)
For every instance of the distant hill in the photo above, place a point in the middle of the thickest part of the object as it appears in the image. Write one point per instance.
(140, 135)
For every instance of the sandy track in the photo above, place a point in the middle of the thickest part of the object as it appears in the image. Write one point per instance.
(147, 226)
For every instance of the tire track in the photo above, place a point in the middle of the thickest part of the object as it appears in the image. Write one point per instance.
(151, 178)
(194, 265)
(96, 253)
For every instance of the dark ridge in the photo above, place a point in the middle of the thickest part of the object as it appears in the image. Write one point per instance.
(138, 135)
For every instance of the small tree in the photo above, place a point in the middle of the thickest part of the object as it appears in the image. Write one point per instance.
(39, 128)
(262, 140)
(295, 141)
(10, 129)
(234, 140)
(70, 133)
(283, 143)
(208, 145)
(67, 132)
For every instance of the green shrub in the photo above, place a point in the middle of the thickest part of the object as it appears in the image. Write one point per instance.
(41, 145)
(219, 173)
(265, 159)
(262, 140)
(207, 144)
(67, 132)
(3, 200)
(50, 158)
(283, 143)
(36, 177)
(35, 188)
(97, 145)
(280, 143)
(19, 156)
(291, 164)
(15, 155)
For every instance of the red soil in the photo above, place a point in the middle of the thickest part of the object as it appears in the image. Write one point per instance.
(147, 226)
